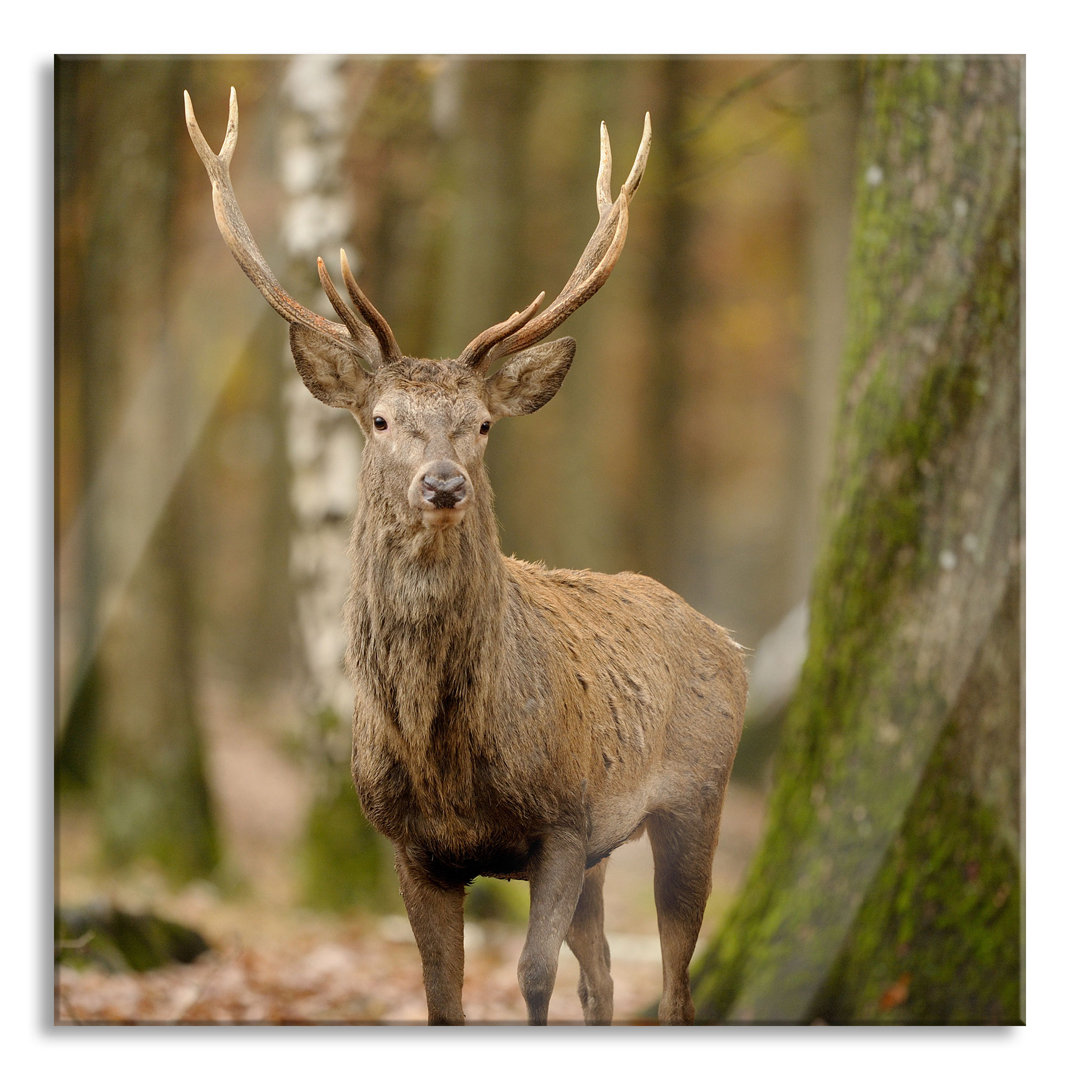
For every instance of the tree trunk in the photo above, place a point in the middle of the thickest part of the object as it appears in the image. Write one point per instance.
(134, 736)
(831, 133)
(484, 276)
(666, 537)
(342, 861)
(887, 888)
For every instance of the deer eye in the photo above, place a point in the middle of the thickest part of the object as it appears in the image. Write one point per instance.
(485, 427)
(379, 423)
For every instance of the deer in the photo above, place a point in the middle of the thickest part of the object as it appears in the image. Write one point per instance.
(510, 720)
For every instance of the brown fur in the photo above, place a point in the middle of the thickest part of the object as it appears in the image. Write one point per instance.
(510, 720)
(508, 716)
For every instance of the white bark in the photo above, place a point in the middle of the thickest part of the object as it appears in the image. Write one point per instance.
(324, 445)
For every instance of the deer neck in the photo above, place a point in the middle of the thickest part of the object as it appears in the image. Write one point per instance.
(425, 615)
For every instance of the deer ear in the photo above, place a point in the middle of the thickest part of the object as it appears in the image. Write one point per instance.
(331, 370)
(530, 379)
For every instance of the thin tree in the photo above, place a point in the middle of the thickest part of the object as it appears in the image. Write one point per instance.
(128, 725)
(342, 861)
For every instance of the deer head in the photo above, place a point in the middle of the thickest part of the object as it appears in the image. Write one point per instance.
(426, 421)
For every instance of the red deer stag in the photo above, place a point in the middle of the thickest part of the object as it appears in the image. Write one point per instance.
(510, 720)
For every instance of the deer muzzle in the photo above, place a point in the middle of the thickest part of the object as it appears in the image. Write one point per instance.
(441, 491)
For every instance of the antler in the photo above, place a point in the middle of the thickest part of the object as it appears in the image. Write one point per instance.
(595, 265)
(237, 236)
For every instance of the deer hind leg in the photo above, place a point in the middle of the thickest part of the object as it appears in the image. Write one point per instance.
(587, 942)
(436, 914)
(682, 856)
(556, 875)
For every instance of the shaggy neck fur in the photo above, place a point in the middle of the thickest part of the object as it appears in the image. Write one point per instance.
(425, 618)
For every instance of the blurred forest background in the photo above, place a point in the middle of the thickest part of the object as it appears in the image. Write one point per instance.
(728, 368)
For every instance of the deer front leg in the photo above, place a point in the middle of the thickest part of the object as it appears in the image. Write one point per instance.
(436, 914)
(556, 873)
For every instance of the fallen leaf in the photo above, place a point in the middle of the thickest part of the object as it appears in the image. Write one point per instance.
(896, 995)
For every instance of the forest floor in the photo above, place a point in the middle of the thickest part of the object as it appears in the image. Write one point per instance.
(274, 963)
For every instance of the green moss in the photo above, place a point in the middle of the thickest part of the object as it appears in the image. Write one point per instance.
(938, 937)
(865, 818)
(344, 863)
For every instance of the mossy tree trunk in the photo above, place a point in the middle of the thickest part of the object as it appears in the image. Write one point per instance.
(888, 885)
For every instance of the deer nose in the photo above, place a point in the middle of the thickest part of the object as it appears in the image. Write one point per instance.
(443, 486)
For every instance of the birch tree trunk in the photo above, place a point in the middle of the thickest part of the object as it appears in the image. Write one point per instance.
(343, 861)
(324, 446)
(888, 886)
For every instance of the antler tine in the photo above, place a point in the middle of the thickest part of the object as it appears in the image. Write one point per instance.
(213, 162)
(234, 228)
(356, 329)
(591, 273)
(603, 177)
(239, 240)
(593, 268)
(637, 171)
(476, 352)
(379, 326)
